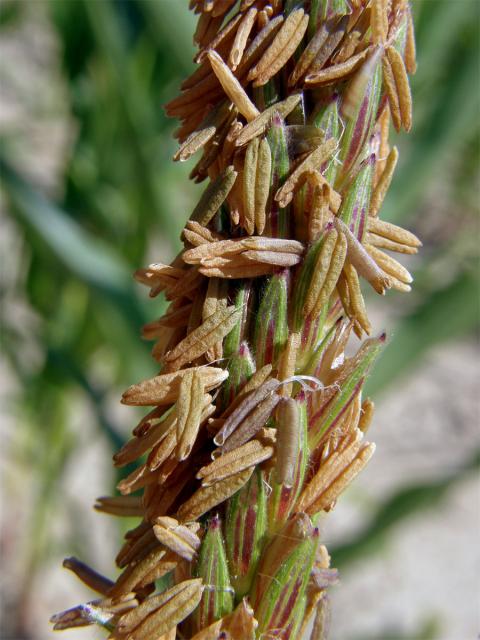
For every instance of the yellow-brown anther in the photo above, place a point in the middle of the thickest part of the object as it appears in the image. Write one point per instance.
(249, 180)
(164, 389)
(203, 338)
(288, 441)
(189, 412)
(232, 87)
(286, 364)
(334, 270)
(262, 184)
(177, 537)
(241, 37)
(320, 271)
(205, 498)
(320, 491)
(308, 55)
(224, 466)
(337, 71)
(125, 506)
(361, 260)
(358, 310)
(379, 21)
(410, 49)
(157, 614)
(313, 161)
(320, 211)
(338, 486)
(366, 415)
(397, 235)
(396, 272)
(259, 125)
(402, 87)
(281, 49)
(224, 36)
(157, 561)
(392, 93)
(383, 183)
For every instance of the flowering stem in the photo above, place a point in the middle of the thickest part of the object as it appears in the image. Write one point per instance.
(258, 420)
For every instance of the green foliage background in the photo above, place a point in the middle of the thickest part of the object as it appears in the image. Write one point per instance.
(120, 202)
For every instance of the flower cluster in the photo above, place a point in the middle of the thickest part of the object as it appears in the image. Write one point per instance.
(258, 420)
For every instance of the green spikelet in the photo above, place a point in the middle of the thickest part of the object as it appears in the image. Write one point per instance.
(359, 107)
(279, 596)
(245, 527)
(217, 598)
(271, 323)
(324, 416)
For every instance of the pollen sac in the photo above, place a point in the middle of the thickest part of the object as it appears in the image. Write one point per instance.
(101, 612)
(291, 460)
(158, 614)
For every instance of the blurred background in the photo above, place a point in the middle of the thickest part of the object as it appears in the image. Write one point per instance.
(89, 193)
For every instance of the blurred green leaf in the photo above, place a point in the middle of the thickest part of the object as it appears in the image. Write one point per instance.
(10, 14)
(63, 363)
(89, 258)
(172, 25)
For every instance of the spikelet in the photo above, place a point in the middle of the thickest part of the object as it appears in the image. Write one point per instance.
(257, 422)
